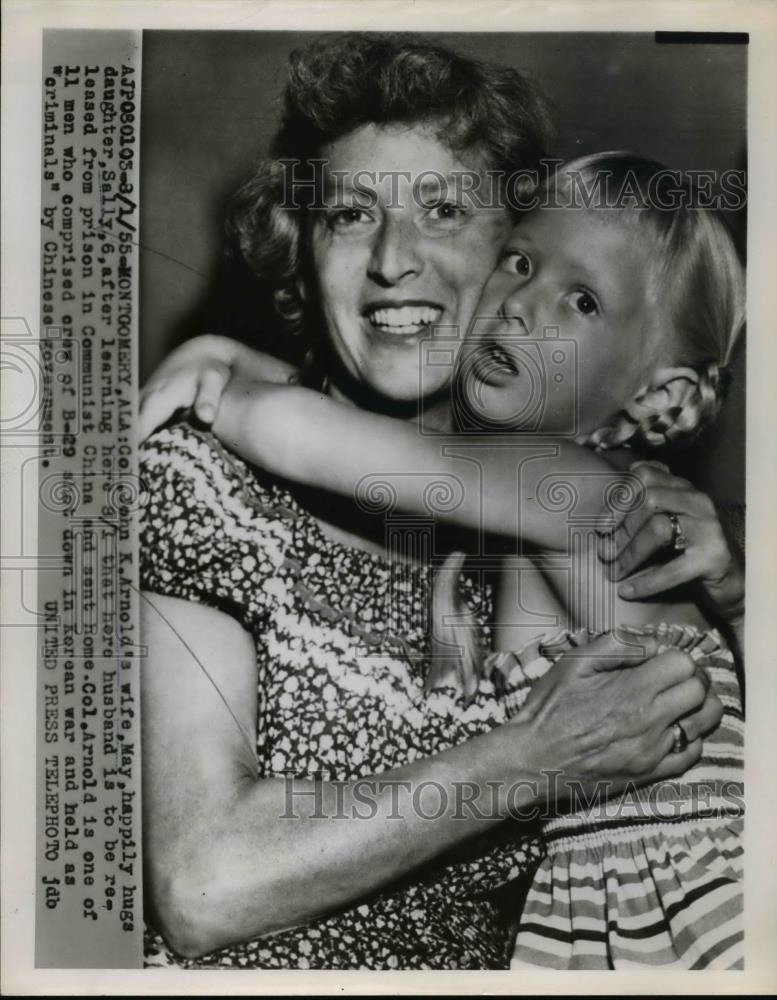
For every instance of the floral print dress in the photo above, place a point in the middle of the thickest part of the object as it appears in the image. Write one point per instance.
(341, 638)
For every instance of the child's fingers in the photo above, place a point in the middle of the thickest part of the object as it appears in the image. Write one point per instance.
(163, 398)
(151, 411)
(212, 382)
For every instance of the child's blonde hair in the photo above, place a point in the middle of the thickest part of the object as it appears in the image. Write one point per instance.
(698, 282)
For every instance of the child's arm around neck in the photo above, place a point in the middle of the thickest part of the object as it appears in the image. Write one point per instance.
(507, 484)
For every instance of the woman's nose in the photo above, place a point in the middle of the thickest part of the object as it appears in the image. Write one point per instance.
(395, 252)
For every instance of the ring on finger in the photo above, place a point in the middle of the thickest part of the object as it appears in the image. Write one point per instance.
(678, 541)
(680, 738)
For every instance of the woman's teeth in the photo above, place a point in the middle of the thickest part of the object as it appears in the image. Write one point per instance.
(404, 319)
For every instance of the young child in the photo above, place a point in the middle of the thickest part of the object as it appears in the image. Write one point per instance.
(651, 294)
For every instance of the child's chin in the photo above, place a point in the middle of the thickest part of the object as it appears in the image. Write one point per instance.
(501, 406)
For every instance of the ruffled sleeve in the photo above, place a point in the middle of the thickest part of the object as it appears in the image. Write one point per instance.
(210, 533)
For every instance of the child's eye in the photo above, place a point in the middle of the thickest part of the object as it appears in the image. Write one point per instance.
(585, 303)
(517, 262)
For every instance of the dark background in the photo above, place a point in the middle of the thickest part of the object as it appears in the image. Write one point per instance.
(210, 103)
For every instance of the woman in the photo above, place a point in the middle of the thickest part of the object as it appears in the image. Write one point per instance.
(369, 858)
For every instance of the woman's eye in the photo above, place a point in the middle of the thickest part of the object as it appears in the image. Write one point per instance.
(447, 211)
(517, 262)
(343, 218)
(584, 303)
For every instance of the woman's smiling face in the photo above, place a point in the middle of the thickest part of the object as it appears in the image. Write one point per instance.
(580, 276)
(396, 252)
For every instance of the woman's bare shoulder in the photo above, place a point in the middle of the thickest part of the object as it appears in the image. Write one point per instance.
(196, 461)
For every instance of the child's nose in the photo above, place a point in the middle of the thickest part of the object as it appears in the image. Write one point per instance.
(517, 306)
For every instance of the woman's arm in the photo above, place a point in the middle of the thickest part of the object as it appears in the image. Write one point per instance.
(307, 437)
(231, 856)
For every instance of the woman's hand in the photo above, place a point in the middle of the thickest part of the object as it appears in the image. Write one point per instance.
(195, 376)
(596, 717)
(604, 715)
(647, 530)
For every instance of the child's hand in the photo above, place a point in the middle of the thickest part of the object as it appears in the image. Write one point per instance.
(707, 557)
(195, 376)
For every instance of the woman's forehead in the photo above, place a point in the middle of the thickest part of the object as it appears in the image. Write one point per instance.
(416, 149)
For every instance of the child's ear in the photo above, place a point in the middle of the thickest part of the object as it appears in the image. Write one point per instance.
(668, 407)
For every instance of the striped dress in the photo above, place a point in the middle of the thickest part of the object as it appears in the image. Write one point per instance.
(652, 877)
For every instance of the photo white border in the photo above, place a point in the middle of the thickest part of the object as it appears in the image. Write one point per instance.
(23, 21)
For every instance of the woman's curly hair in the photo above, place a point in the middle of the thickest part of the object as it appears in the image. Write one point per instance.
(340, 83)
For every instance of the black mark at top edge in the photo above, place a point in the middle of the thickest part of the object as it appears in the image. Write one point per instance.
(702, 38)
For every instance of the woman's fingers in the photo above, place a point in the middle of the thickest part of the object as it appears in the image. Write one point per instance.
(670, 503)
(646, 466)
(611, 651)
(649, 698)
(213, 380)
(691, 704)
(629, 546)
(659, 579)
(654, 473)
(705, 554)
(650, 515)
(672, 765)
(656, 479)
(577, 677)
(683, 699)
(624, 648)
(707, 558)
(608, 711)
(705, 719)
(696, 725)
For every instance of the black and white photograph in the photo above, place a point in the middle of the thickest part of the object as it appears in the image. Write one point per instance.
(392, 208)
(390, 449)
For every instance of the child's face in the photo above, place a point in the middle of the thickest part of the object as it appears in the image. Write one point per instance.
(586, 276)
